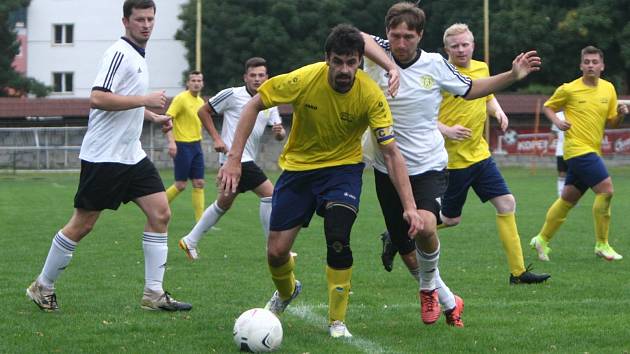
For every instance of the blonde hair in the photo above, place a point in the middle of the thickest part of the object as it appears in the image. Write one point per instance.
(455, 29)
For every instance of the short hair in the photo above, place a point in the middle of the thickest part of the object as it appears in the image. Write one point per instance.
(591, 50)
(255, 62)
(194, 72)
(455, 29)
(408, 13)
(344, 39)
(129, 5)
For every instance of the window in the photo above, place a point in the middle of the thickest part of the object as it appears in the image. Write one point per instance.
(63, 82)
(63, 34)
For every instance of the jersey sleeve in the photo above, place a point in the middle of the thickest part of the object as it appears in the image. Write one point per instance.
(558, 100)
(174, 108)
(612, 103)
(111, 73)
(380, 118)
(221, 101)
(282, 89)
(450, 79)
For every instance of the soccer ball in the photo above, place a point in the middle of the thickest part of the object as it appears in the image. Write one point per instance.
(257, 330)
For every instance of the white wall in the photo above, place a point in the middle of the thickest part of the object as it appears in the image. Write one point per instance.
(97, 24)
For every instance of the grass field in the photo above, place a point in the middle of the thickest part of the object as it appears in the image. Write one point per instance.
(583, 308)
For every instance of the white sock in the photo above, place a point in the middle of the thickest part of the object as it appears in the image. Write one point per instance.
(415, 273)
(428, 264)
(560, 185)
(265, 214)
(210, 217)
(155, 253)
(59, 257)
(446, 296)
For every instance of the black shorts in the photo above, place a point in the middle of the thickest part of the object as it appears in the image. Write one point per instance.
(104, 185)
(561, 165)
(428, 189)
(251, 177)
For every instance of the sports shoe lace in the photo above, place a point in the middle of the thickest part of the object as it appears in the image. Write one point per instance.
(52, 299)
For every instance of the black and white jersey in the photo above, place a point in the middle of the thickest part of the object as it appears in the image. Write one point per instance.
(415, 108)
(230, 103)
(114, 136)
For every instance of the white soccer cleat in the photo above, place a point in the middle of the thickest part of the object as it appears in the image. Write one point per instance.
(338, 329)
(42, 296)
(605, 251)
(277, 305)
(191, 252)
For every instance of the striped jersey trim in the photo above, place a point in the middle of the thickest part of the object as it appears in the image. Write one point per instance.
(220, 98)
(113, 67)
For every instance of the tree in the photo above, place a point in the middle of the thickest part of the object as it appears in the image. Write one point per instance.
(9, 48)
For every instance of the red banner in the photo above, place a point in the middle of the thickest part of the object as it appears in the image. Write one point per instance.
(526, 142)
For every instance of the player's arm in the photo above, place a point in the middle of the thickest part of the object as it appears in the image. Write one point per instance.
(523, 65)
(494, 109)
(205, 114)
(397, 171)
(622, 110)
(375, 53)
(278, 131)
(455, 132)
(161, 119)
(553, 117)
(109, 101)
(172, 146)
(230, 173)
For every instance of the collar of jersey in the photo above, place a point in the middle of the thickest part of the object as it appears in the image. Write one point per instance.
(140, 50)
(410, 63)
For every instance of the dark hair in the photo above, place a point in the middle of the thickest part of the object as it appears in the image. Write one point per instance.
(137, 4)
(194, 72)
(592, 50)
(405, 12)
(344, 39)
(255, 62)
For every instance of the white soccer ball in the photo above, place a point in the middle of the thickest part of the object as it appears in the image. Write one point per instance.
(257, 330)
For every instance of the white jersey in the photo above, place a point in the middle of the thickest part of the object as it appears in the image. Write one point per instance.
(560, 135)
(415, 108)
(230, 103)
(114, 136)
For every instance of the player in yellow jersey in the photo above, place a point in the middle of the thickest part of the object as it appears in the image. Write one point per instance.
(470, 164)
(333, 104)
(184, 142)
(589, 104)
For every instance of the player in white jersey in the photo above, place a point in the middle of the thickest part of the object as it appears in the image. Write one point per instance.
(230, 102)
(114, 168)
(561, 165)
(415, 110)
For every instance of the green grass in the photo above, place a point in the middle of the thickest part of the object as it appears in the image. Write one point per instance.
(583, 308)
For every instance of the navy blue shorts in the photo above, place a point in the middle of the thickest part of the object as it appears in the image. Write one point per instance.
(188, 161)
(586, 171)
(561, 165)
(484, 178)
(299, 194)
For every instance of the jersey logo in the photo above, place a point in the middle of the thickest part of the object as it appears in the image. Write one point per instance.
(311, 106)
(426, 81)
(346, 117)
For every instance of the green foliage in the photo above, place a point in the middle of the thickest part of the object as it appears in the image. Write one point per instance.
(291, 33)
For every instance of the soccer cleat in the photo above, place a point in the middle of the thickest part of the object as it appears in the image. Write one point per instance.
(277, 305)
(454, 315)
(528, 277)
(389, 252)
(43, 297)
(191, 252)
(541, 246)
(155, 301)
(430, 306)
(605, 251)
(338, 329)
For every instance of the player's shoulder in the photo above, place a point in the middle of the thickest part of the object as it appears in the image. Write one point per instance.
(477, 65)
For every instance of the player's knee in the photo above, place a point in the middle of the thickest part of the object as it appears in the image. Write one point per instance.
(198, 183)
(338, 222)
(505, 204)
(180, 185)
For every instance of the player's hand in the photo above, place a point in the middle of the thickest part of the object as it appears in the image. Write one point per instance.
(165, 121)
(228, 177)
(562, 125)
(219, 146)
(525, 63)
(393, 82)
(155, 99)
(622, 109)
(278, 131)
(503, 120)
(172, 150)
(416, 224)
(458, 132)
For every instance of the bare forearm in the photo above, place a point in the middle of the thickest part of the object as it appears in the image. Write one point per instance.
(109, 101)
(493, 107)
(487, 85)
(205, 115)
(398, 174)
(375, 53)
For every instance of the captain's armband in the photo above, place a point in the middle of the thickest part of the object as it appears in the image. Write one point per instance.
(384, 135)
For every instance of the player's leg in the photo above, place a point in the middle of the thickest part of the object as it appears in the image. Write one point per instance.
(459, 181)
(258, 182)
(197, 177)
(182, 163)
(147, 191)
(562, 168)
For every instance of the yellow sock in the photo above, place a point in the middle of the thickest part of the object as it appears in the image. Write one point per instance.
(601, 216)
(198, 202)
(508, 233)
(284, 278)
(556, 215)
(172, 192)
(338, 293)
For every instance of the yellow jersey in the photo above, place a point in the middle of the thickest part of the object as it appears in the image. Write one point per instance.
(587, 108)
(470, 114)
(186, 123)
(327, 125)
